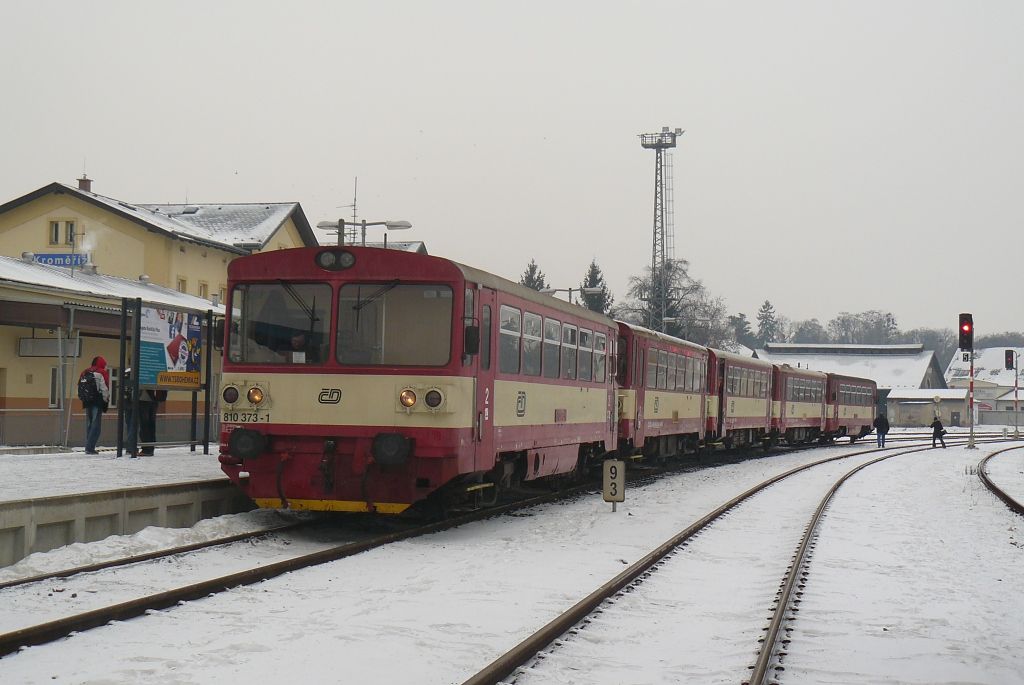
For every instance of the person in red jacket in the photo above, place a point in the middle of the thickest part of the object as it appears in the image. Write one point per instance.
(95, 402)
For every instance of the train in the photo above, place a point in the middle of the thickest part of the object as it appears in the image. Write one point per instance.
(361, 379)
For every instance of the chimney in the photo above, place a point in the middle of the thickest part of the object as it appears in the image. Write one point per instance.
(28, 257)
(85, 183)
(143, 278)
(88, 269)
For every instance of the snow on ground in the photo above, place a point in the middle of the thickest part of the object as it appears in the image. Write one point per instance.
(917, 578)
(31, 476)
(437, 608)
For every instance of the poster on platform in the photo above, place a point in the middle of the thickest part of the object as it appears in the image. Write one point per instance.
(171, 349)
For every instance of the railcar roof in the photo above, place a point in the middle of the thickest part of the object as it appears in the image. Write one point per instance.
(657, 335)
(796, 371)
(531, 295)
(739, 359)
(854, 379)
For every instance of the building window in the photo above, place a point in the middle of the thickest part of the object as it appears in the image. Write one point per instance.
(182, 285)
(69, 232)
(54, 237)
(54, 399)
(204, 290)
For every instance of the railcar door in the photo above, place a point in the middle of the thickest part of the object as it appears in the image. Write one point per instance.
(483, 426)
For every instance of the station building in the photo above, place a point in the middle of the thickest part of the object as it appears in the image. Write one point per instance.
(72, 254)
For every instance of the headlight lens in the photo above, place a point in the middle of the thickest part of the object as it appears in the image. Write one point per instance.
(407, 398)
(255, 395)
(433, 398)
(230, 394)
(326, 259)
(346, 259)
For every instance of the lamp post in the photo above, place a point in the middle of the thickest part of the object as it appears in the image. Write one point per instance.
(339, 225)
(581, 291)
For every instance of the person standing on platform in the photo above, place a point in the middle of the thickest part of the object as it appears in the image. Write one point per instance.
(94, 392)
(149, 403)
(881, 425)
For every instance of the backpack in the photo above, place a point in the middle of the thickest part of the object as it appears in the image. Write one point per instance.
(88, 391)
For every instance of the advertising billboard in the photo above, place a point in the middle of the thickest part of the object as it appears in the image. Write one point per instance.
(170, 349)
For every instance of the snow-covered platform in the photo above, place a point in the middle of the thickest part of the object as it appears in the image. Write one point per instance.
(51, 500)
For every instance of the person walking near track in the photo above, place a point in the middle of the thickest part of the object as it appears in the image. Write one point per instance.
(881, 425)
(937, 432)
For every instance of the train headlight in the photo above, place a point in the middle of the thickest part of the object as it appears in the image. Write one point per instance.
(407, 398)
(433, 398)
(335, 260)
(230, 394)
(255, 395)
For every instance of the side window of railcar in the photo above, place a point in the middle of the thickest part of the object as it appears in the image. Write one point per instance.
(468, 317)
(568, 351)
(652, 368)
(670, 377)
(621, 361)
(586, 362)
(508, 339)
(662, 369)
(485, 337)
(600, 356)
(531, 344)
(552, 335)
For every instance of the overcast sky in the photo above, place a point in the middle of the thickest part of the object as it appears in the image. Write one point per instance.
(838, 156)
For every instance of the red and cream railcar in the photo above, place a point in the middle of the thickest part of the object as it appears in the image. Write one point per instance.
(362, 379)
(662, 381)
(798, 404)
(739, 400)
(850, 409)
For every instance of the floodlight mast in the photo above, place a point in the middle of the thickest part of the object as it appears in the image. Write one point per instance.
(662, 244)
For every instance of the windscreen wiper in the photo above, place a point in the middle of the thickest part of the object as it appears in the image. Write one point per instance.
(360, 303)
(311, 313)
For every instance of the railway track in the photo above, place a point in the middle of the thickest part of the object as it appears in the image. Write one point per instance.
(150, 556)
(51, 630)
(533, 649)
(1009, 500)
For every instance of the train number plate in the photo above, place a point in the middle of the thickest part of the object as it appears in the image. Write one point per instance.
(245, 417)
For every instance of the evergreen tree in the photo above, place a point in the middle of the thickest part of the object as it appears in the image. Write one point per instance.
(598, 302)
(533, 277)
(767, 325)
(742, 331)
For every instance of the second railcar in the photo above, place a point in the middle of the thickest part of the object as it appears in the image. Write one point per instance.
(662, 381)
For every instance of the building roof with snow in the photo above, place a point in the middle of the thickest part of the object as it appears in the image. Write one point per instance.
(890, 366)
(989, 366)
(26, 280)
(239, 228)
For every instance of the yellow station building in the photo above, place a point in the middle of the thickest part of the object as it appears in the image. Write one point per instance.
(72, 254)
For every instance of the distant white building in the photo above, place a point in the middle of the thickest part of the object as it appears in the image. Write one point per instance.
(890, 366)
(993, 382)
(919, 406)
